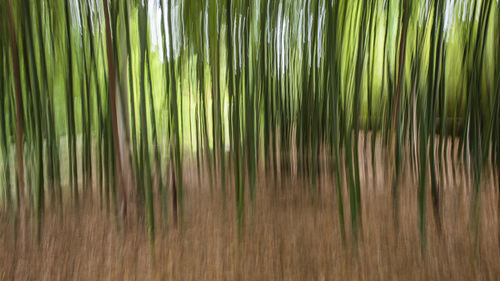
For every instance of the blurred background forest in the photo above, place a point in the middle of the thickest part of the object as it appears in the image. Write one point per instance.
(150, 113)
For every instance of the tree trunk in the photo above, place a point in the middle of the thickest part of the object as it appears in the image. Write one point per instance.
(114, 116)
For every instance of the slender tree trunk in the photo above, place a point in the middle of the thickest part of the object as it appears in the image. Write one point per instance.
(19, 110)
(114, 116)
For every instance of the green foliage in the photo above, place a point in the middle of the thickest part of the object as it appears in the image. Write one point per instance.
(136, 88)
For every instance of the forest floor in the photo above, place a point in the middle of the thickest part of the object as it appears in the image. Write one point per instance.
(286, 236)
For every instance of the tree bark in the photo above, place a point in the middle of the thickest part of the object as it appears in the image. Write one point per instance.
(114, 116)
(19, 109)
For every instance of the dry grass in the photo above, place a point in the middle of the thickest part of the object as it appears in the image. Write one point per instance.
(286, 237)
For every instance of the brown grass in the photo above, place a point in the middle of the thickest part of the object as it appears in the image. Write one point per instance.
(286, 237)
